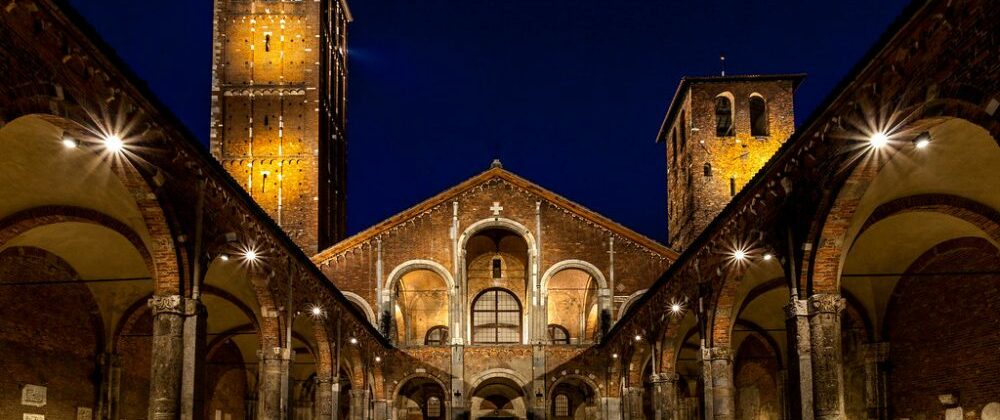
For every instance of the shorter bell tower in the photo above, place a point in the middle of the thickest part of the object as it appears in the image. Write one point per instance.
(719, 131)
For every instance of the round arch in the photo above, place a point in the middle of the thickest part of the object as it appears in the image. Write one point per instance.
(362, 303)
(532, 322)
(629, 301)
(577, 264)
(492, 373)
(842, 217)
(407, 378)
(397, 273)
(499, 222)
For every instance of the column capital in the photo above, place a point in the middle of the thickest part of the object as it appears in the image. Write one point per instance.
(826, 303)
(276, 353)
(324, 380)
(717, 353)
(173, 304)
(663, 378)
(796, 308)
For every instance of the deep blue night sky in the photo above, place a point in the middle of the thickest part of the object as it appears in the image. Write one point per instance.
(568, 94)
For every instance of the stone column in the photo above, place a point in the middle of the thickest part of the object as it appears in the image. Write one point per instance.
(359, 404)
(800, 383)
(381, 410)
(611, 408)
(167, 358)
(274, 365)
(633, 403)
(324, 402)
(664, 396)
(828, 374)
(876, 387)
(723, 392)
(111, 372)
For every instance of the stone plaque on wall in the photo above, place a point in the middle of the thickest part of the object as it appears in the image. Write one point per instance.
(33, 395)
(84, 413)
(29, 416)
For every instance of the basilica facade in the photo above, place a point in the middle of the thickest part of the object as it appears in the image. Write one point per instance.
(843, 268)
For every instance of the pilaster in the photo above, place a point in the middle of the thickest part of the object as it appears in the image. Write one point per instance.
(111, 372)
(876, 381)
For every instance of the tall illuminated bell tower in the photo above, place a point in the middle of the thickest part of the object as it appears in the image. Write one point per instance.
(279, 80)
(719, 131)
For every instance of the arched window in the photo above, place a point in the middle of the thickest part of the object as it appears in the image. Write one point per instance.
(561, 408)
(758, 116)
(496, 317)
(433, 407)
(436, 336)
(724, 117)
(558, 334)
(708, 169)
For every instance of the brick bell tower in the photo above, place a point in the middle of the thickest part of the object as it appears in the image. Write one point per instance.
(279, 81)
(719, 131)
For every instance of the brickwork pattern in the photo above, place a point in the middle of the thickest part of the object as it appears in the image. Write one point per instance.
(65, 358)
(938, 347)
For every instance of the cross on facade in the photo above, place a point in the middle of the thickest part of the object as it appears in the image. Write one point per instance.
(496, 208)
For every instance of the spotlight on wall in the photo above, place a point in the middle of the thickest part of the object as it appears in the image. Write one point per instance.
(614, 355)
(739, 255)
(250, 255)
(224, 257)
(378, 359)
(316, 311)
(767, 257)
(878, 140)
(113, 143)
(638, 337)
(676, 308)
(353, 340)
(70, 142)
(922, 140)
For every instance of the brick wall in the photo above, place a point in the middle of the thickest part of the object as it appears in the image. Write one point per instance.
(135, 347)
(48, 335)
(756, 381)
(942, 331)
(225, 382)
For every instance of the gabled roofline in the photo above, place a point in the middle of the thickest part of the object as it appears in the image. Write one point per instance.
(687, 81)
(499, 173)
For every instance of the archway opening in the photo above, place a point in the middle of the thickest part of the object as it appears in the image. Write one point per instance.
(572, 398)
(498, 398)
(572, 303)
(497, 276)
(420, 398)
(420, 299)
